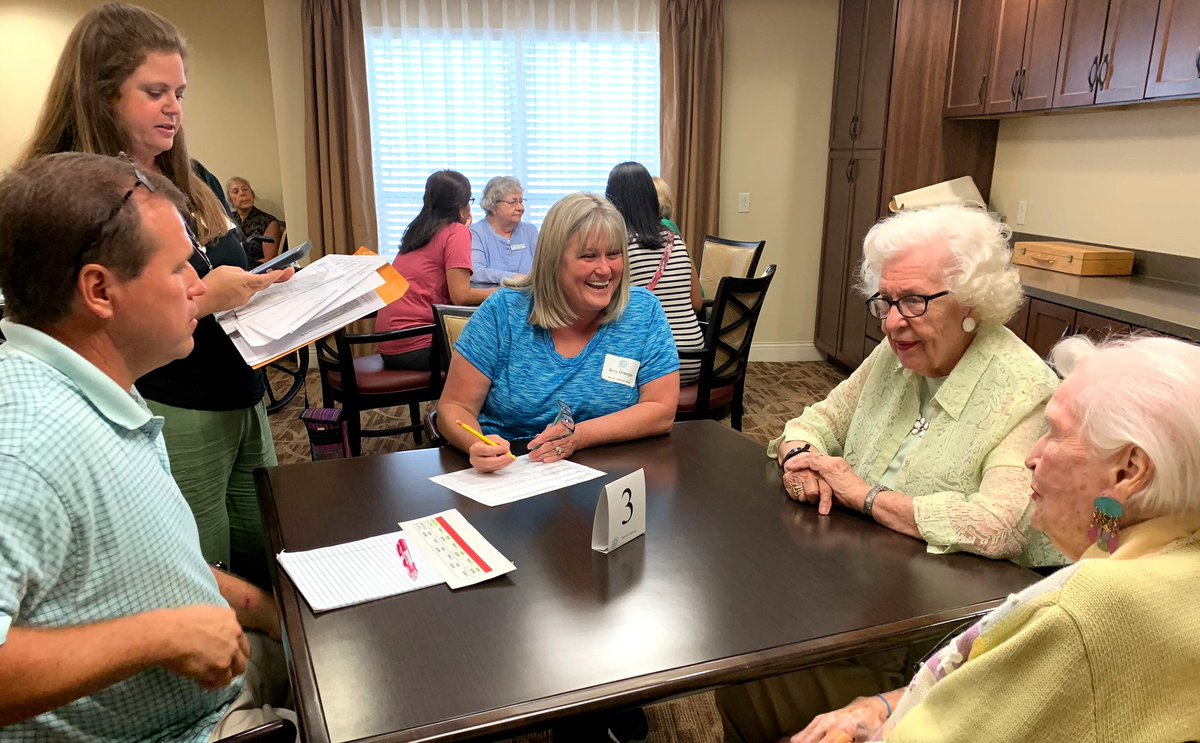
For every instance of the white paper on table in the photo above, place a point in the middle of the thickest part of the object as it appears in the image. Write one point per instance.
(521, 479)
(355, 572)
(456, 549)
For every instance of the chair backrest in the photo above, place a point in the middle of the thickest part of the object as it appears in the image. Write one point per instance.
(339, 356)
(730, 330)
(720, 257)
(449, 321)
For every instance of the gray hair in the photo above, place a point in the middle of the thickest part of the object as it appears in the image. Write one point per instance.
(981, 275)
(238, 179)
(582, 215)
(1142, 391)
(495, 191)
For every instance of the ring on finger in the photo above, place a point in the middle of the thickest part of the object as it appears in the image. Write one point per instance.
(558, 450)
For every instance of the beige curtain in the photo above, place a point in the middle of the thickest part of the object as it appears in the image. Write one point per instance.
(337, 129)
(692, 38)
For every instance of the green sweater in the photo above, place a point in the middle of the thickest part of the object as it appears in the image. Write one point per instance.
(967, 479)
(1103, 651)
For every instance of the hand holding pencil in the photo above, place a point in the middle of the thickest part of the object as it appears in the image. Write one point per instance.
(488, 454)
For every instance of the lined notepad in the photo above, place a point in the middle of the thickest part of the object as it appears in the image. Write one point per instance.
(355, 572)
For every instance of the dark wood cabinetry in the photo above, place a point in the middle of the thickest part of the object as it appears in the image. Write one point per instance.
(970, 47)
(1024, 55)
(1175, 60)
(1105, 51)
(886, 137)
(1042, 324)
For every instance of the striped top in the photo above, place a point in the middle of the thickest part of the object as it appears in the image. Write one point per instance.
(674, 292)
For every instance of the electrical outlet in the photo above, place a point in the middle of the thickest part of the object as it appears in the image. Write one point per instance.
(743, 203)
(1021, 209)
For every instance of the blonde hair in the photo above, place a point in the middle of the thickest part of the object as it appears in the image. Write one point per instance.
(587, 217)
(666, 202)
(106, 46)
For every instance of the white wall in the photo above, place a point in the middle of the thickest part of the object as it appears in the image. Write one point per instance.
(779, 63)
(1128, 178)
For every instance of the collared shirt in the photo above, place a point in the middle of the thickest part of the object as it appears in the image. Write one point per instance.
(94, 529)
(496, 258)
(967, 478)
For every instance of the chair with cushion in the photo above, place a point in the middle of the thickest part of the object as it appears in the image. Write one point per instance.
(363, 383)
(720, 258)
(722, 383)
(448, 322)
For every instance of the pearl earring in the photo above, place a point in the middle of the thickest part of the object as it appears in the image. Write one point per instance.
(969, 325)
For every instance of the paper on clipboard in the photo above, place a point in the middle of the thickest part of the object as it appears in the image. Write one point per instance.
(457, 550)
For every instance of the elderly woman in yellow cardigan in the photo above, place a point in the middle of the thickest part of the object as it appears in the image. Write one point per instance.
(928, 437)
(1104, 650)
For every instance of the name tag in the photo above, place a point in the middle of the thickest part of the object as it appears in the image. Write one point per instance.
(517, 246)
(620, 370)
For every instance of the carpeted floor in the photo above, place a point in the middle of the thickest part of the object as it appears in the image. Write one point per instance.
(775, 392)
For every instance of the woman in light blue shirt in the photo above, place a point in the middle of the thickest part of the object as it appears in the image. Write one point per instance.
(502, 245)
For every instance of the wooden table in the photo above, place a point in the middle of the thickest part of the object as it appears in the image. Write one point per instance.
(731, 582)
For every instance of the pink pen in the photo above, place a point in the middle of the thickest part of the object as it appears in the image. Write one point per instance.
(406, 556)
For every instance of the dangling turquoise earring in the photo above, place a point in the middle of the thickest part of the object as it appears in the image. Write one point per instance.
(1106, 531)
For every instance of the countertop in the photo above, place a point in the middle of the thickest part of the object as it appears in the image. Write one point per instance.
(1165, 306)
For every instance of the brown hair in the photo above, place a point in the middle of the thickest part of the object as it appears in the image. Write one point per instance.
(50, 226)
(106, 46)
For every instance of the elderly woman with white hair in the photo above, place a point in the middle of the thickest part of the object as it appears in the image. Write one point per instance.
(502, 246)
(1103, 650)
(927, 437)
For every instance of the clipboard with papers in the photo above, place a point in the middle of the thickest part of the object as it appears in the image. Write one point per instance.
(329, 294)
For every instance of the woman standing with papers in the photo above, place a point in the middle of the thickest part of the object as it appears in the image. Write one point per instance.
(573, 332)
(118, 88)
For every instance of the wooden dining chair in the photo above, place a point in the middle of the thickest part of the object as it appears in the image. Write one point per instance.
(719, 258)
(727, 337)
(364, 383)
(448, 322)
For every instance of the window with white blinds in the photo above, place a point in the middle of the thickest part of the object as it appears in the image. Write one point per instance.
(553, 92)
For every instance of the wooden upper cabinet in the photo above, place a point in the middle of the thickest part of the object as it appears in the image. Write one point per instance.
(851, 25)
(876, 77)
(864, 71)
(1128, 41)
(1004, 73)
(1175, 61)
(970, 57)
(1079, 53)
(1043, 34)
(839, 207)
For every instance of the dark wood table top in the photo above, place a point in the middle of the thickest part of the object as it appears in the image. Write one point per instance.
(731, 582)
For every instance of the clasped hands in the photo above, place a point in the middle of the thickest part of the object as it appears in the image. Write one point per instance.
(819, 479)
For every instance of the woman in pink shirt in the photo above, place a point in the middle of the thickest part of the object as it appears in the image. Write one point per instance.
(435, 258)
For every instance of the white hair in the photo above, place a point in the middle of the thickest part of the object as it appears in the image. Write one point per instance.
(981, 274)
(1144, 391)
(496, 190)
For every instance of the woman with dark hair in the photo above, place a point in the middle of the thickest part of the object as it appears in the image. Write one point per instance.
(119, 87)
(435, 259)
(658, 259)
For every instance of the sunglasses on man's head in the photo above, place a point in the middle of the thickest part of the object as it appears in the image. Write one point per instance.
(139, 180)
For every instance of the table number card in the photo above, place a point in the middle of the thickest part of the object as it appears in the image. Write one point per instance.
(620, 512)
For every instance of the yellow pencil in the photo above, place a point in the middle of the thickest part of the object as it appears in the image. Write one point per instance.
(481, 437)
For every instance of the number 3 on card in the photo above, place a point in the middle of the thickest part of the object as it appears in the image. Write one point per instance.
(620, 512)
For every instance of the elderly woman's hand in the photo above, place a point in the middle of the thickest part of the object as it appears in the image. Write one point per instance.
(555, 443)
(856, 721)
(834, 479)
(488, 458)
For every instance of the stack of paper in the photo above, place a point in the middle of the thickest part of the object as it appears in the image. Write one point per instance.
(327, 295)
(351, 573)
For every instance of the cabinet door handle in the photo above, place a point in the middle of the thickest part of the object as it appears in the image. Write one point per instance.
(849, 169)
(1092, 73)
(1102, 74)
(982, 89)
(854, 126)
(853, 171)
(1012, 89)
(1198, 61)
(1021, 86)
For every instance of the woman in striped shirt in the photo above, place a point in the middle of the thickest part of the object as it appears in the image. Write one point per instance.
(659, 260)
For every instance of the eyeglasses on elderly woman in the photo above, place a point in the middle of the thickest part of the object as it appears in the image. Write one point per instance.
(910, 305)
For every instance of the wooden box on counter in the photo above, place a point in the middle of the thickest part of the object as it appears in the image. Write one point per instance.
(1081, 260)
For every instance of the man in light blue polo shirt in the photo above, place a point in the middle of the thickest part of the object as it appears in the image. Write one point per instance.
(112, 626)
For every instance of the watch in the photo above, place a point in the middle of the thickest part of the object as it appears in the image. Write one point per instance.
(793, 452)
(869, 501)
